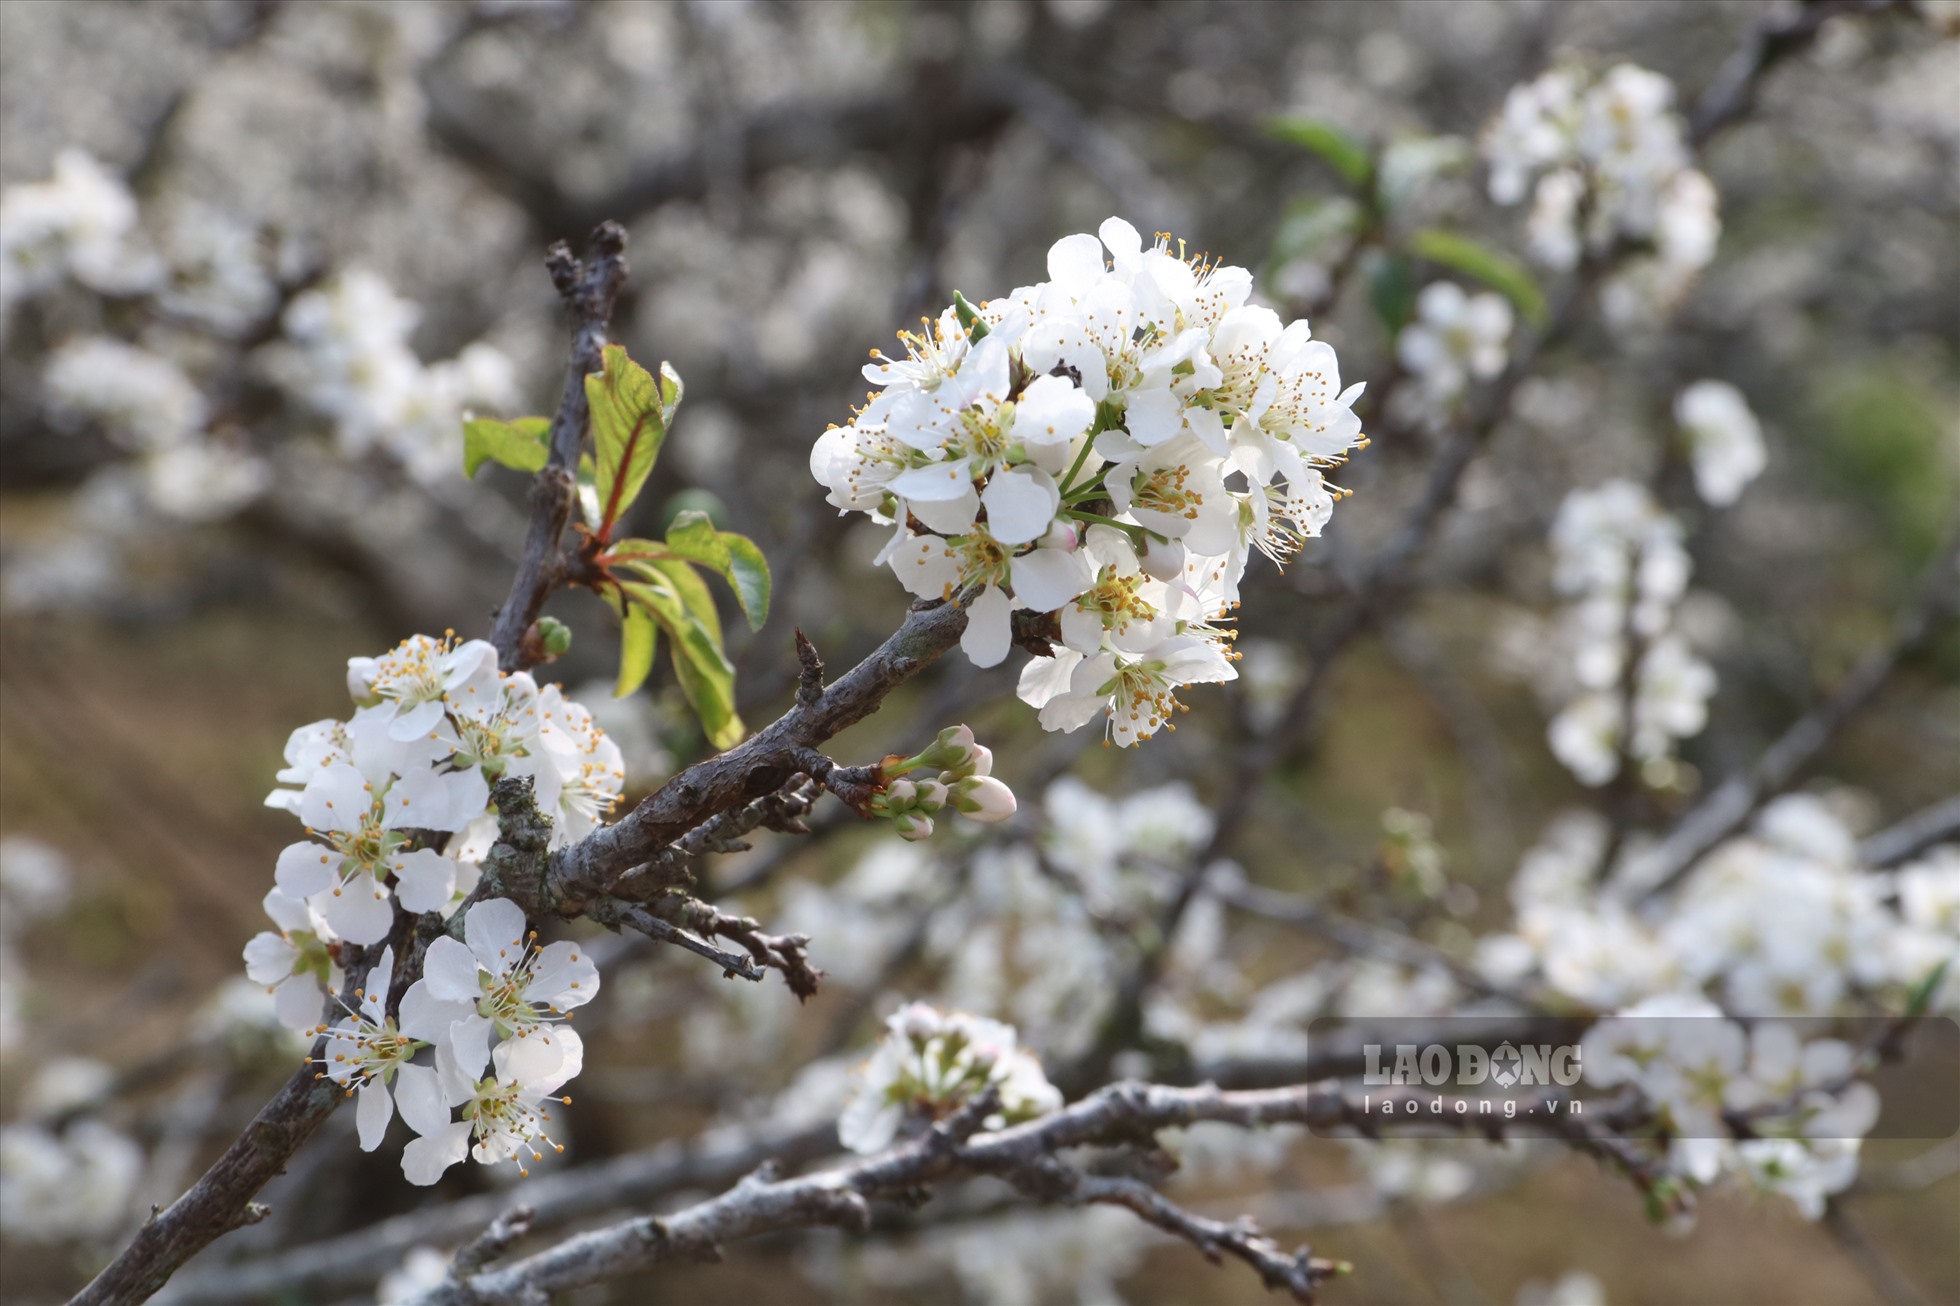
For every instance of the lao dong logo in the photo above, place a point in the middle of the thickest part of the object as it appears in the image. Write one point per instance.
(1469, 1065)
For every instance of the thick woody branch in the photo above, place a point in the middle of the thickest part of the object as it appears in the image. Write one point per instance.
(1028, 1155)
(555, 1199)
(588, 288)
(759, 766)
(220, 1201)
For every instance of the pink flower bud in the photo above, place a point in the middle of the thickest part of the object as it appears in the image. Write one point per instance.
(1060, 536)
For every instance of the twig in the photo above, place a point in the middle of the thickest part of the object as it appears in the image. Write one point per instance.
(615, 913)
(1732, 91)
(492, 1243)
(1914, 835)
(588, 288)
(1886, 1279)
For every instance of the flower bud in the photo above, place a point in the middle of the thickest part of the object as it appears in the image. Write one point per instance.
(913, 827)
(360, 680)
(1163, 559)
(949, 752)
(932, 796)
(555, 635)
(899, 795)
(984, 799)
(1061, 535)
(983, 761)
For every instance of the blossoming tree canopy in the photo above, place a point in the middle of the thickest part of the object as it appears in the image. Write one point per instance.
(1104, 449)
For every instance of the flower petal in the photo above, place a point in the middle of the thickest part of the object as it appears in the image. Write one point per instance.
(304, 869)
(1020, 505)
(494, 929)
(989, 628)
(450, 970)
(373, 1109)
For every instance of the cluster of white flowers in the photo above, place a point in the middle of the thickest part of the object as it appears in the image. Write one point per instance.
(80, 224)
(1619, 560)
(495, 982)
(1694, 1068)
(346, 354)
(1784, 921)
(1725, 441)
(438, 724)
(1781, 922)
(1108, 447)
(64, 1174)
(67, 1183)
(33, 885)
(147, 404)
(929, 1064)
(1455, 338)
(1610, 162)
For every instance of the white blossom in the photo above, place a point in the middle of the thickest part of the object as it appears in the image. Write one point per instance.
(928, 1063)
(1725, 442)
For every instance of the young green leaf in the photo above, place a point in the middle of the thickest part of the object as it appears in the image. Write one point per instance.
(734, 557)
(686, 612)
(1500, 272)
(638, 636)
(1345, 154)
(630, 415)
(523, 444)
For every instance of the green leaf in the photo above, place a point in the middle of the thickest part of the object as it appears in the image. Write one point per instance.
(969, 317)
(1392, 290)
(734, 557)
(524, 444)
(1345, 154)
(676, 598)
(1499, 271)
(1314, 222)
(630, 416)
(638, 635)
(1920, 1000)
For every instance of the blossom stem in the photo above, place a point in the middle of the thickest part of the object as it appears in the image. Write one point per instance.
(1080, 458)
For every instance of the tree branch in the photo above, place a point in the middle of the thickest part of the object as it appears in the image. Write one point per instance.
(220, 1201)
(1123, 1115)
(588, 288)
(1730, 805)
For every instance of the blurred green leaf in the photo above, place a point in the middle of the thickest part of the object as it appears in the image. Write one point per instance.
(1392, 291)
(1312, 221)
(630, 416)
(1499, 271)
(1343, 153)
(523, 444)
